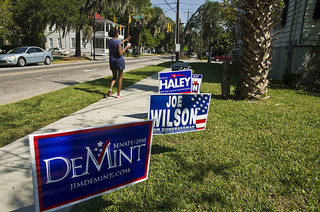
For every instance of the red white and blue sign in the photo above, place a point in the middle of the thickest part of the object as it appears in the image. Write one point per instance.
(175, 82)
(178, 113)
(196, 83)
(74, 166)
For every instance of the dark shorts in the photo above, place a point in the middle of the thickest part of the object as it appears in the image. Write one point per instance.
(117, 64)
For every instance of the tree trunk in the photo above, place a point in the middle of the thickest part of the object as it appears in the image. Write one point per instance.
(257, 20)
(78, 42)
(139, 40)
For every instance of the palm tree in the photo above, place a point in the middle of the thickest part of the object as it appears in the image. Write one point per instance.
(257, 18)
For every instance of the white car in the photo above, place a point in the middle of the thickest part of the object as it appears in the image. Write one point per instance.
(21, 56)
(59, 51)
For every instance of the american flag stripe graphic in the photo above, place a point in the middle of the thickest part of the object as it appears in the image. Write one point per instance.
(105, 145)
(201, 104)
(201, 122)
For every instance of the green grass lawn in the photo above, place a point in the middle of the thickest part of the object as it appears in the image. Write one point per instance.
(253, 156)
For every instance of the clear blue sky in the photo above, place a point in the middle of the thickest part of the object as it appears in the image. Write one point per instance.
(186, 6)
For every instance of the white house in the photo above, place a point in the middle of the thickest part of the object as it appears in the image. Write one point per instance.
(297, 47)
(54, 37)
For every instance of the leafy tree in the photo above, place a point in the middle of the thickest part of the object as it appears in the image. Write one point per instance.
(8, 29)
(156, 27)
(215, 34)
(31, 18)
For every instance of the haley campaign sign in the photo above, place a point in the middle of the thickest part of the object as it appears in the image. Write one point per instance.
(175, 82)
(196, 83)
(177, 113)
(70, 167)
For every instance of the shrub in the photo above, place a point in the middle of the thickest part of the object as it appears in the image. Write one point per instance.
(292, 80)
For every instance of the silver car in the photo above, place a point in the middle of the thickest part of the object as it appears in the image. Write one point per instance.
(21, 56)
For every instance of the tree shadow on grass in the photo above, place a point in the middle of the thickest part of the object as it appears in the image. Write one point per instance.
(68, 83)
(93, 205)
(212, 72)
(91, 91)
(198, 170)
(278, 85)
(308, 93)
(157, 149)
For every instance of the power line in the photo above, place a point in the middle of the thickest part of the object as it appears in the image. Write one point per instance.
(170, 10)
(170, 6)
(161, 4)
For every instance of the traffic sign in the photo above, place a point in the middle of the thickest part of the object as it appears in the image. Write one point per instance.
(138, 16)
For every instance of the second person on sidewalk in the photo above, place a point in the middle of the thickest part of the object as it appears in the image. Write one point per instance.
(116, 60)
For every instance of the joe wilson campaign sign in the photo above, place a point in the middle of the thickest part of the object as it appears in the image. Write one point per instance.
(177, 113)
(175, 82)
(196, 83)
(70, 167)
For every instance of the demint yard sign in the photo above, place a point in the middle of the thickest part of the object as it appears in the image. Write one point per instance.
(70, 167)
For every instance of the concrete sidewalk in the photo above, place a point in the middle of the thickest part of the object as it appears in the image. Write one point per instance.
(15, 165)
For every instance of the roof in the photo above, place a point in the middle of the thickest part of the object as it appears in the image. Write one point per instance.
(99, 18)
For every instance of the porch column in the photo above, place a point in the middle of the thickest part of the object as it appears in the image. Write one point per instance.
(105, 29)
(105, 45)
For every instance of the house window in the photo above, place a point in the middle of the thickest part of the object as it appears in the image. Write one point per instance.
(73, 43)
(50, 42)
(59, 43)
(100, 27)
(316, 13)
(99, 43)
(285, 13)
(50, 28)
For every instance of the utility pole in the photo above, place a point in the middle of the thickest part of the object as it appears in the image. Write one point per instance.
(201, 36)
(210, 49)
(129, 21)
(177, 32)
(94, 30)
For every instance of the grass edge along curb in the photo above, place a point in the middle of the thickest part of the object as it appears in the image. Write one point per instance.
(19, 119)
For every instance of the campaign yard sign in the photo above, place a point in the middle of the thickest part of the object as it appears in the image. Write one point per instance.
(196, 83)
(175, 82)
(70, 167)
(178, 113)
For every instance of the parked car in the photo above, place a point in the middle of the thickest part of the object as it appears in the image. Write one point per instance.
(21, 56)
(59, 51)
(226, 57)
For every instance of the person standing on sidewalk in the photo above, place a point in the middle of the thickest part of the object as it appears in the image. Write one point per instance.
(116, 60)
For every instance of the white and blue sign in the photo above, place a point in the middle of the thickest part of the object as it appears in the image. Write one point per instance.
(196, 83)
(70, 167)
(175, 82)
(178, 113)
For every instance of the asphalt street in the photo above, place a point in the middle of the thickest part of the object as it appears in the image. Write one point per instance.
(18, 83)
